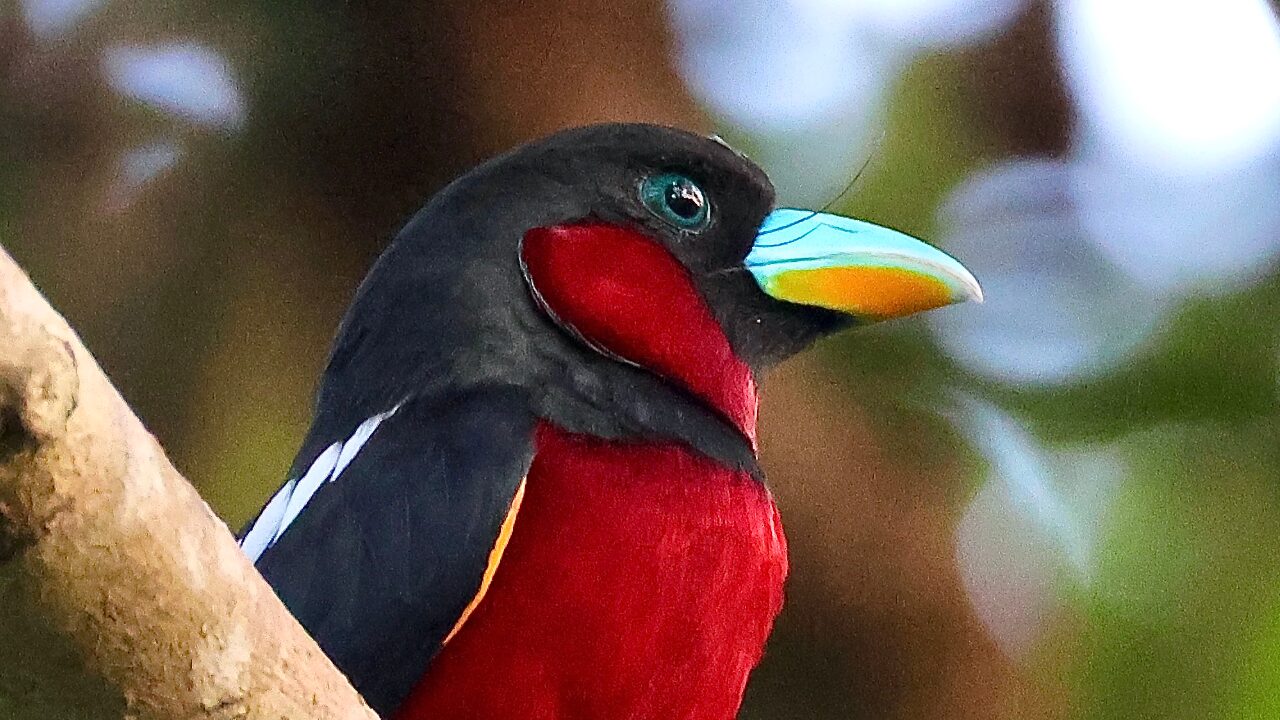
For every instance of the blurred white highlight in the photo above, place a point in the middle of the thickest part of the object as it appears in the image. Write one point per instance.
(808, 78)
(1031, 530)
(50, 19)
(1058, 307)
(138, 168)
(1182, 86)
(188, 80)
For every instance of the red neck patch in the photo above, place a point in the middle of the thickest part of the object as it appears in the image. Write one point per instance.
(627, 295)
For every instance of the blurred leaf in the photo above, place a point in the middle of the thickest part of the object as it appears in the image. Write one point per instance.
(1186, 569)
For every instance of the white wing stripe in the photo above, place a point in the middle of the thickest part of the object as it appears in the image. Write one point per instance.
(262, 533)
(307, 486)
(288, 502)
(357, 441)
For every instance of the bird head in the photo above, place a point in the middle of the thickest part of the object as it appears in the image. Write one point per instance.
(637, 279)
(776, 279)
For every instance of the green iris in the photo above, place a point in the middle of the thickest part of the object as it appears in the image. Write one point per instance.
(677, 200)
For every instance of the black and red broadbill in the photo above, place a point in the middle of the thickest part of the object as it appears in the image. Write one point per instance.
(530, 489)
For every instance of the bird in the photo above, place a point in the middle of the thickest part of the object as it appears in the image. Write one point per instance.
(531, 488)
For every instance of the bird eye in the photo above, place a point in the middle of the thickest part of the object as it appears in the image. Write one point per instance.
(676, 200)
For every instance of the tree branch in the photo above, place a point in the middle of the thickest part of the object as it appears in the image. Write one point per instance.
(119, 553)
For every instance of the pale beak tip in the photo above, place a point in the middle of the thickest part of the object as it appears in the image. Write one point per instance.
(972, 291)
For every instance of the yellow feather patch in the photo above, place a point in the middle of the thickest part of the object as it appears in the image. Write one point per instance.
(495, 557)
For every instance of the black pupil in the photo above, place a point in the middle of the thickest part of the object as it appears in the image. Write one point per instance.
(684, 199)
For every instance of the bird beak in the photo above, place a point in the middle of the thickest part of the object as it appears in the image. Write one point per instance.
(855, 267)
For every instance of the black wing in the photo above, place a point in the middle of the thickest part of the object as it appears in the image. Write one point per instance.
(379, 559)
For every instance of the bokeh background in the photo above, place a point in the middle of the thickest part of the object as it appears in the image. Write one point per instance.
(1064, 503)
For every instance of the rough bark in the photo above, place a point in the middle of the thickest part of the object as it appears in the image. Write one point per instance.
(117, 553)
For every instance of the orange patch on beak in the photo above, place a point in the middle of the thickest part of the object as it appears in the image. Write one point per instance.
(873, 293)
